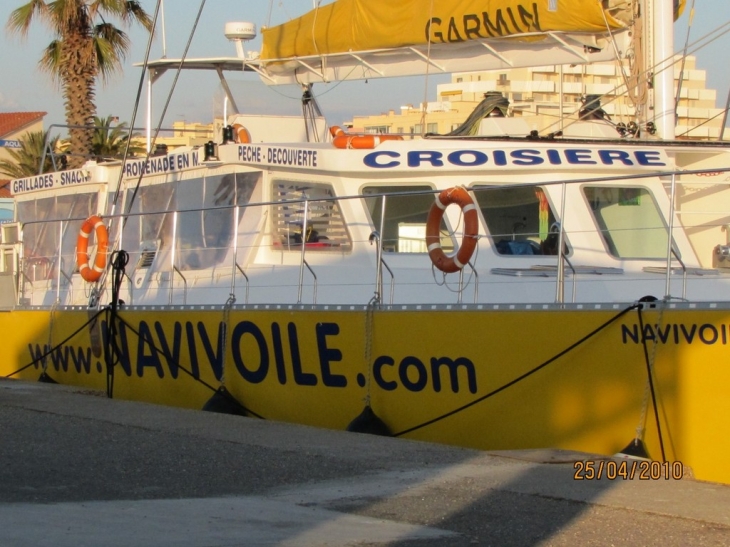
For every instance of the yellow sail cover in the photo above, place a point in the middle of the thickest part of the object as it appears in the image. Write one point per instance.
(363, 25)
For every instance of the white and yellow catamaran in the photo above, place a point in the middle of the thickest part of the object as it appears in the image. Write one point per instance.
(493, 288)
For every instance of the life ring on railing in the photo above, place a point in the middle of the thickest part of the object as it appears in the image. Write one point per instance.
(89, 273)
(342, 140)
(461, 197)
(241, 134)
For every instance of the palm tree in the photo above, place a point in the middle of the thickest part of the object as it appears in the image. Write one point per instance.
(111, 142)
(85, 47)
(26, 160)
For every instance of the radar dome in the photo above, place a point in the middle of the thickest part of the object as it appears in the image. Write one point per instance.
(240, 31)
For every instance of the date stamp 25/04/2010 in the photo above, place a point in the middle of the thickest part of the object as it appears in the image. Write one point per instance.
(627, 470)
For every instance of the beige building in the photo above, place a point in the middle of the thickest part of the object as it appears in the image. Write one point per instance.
(184, 134)
(542, 93)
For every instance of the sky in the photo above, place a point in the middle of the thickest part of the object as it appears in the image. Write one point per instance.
(23, 87)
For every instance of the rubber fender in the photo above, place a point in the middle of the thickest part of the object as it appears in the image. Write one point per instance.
(223, 402)
(46, 379)
(368, 422)
(635, 449)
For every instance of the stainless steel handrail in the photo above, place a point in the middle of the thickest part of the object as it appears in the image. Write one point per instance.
(237, 268)
(185, 285)
(247, 281)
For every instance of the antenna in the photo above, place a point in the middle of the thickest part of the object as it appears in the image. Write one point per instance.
(164, 38)
(239, 33)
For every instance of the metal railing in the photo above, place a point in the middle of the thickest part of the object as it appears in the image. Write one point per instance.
(28, 282)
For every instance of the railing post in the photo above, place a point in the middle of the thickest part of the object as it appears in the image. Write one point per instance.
(235, 251)
(560, 289)
(58, 262)
(172, 255)
(670, 238)
(379, 253)
(304, 245)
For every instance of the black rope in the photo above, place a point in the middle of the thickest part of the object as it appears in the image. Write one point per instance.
(519, 378)
(651, 382)
(169, 357)
(54, 348)
(119, 261)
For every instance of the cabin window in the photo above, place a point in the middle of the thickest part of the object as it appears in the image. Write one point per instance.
(520, 220)
(406, 212)
(41, 241)
(629, 221)
(297, 202)
(150, 222)
(377, 129)
(206, 219)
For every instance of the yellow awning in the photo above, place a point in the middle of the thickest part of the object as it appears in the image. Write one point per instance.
(363, 25)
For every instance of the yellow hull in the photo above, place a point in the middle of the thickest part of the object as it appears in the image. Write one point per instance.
(415, 367)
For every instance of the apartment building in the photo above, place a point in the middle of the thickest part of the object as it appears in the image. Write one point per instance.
(542, 94)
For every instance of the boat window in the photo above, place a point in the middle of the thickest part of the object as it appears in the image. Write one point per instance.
(406, 213)
(149, 225)
(205, 221)
(205, 235)
(629, 221)
(42, 241)
(520, 220)
(326, 229)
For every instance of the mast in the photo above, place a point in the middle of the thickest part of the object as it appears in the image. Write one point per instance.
(660, 28)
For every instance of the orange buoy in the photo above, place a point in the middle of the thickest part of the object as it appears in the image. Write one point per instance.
(461, 197)
(96, 225)
(241, 134)
(342, 140)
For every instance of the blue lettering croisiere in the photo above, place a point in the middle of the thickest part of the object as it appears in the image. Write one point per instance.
(150, 350)
(520, 157)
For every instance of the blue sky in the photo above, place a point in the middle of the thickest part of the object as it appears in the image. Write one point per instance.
(24, 88)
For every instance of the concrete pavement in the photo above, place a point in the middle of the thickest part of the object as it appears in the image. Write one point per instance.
(78, 469)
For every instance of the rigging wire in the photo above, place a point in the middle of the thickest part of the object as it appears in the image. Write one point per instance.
(268, 17)
(424, 108)
(646, 75)
(684, 56)
(650, 377)
(167, 103)
(135, 109)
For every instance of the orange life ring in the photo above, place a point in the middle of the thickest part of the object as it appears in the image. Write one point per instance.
(95, 224)
(342, 140)
(241, 134)
(461, 197)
